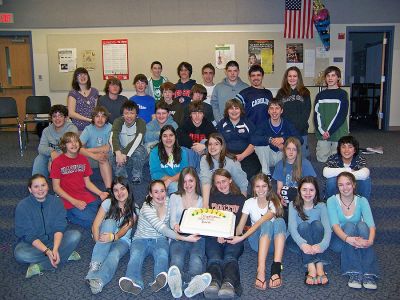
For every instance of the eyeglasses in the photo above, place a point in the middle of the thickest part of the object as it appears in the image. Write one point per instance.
(81, 75)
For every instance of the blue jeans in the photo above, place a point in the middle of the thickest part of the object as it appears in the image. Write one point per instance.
(40, 165)
(178, 251)
(26, 253)
(172, 188)
(353, 260)
(193, 159)
(313, 233)
(140, 249)
(134, 163)
(363, 187)
(271, 229)
(84, 217)
(223, 262)
(108, 254)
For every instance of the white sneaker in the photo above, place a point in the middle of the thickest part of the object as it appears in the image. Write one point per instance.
(175, 281)
(198, 284)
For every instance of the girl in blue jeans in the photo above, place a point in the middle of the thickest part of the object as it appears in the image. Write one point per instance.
(151, 238)
(188, 195)
(354, 233)
(40, 226)
(310, 231)
(265, 211)
(112, 232)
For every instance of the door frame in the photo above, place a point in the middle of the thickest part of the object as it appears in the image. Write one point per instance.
(23, 34)
(389, 59)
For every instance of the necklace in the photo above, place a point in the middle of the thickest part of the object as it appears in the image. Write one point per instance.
(347, 206)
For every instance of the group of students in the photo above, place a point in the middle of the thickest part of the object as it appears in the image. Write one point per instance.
(182, 141)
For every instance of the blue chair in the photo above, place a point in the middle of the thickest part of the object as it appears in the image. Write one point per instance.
(35, 105)
(9, 111)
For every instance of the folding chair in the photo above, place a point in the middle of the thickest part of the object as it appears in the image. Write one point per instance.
(9, 110)
(35, 105)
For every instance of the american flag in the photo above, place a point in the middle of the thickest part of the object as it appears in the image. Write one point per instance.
(298, 19)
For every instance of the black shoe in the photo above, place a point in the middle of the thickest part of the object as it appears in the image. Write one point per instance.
(227, 291)
(211, 292)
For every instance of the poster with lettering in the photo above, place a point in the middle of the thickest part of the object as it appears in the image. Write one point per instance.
(115, 59)
(294, 55)
(261, 52)
(223, 54)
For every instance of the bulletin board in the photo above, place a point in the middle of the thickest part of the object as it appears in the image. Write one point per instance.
(197, 48)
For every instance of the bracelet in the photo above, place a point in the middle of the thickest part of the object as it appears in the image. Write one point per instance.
(113, 237)
(45, 251)
(346, 238)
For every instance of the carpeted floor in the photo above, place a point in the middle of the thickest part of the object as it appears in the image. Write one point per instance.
(67, 282)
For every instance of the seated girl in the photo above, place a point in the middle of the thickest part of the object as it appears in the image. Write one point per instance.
(354, 233)
(70, 173)
(111, 231)
(223, 257)
(310, 231)
(347, 159)
(167, 159)
(151, 238)
(40, 226)
(289, 170)
(217, 157)
(265, 211)
(188, 195)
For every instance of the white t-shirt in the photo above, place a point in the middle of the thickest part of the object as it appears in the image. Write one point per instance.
(209, 93)
(252, 209)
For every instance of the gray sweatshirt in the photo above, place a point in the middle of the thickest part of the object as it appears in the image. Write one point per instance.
(50, 139)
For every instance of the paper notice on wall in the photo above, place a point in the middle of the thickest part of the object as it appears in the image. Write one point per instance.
(66, 59)
(321, 52)
(261, 52)
(309, 63)
(223, 54)
(294, 55)
(89, 59)
(115, 59)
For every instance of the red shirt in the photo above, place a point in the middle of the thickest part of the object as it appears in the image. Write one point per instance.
(71, 172)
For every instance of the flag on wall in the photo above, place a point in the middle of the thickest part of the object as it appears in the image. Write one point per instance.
(298, 19)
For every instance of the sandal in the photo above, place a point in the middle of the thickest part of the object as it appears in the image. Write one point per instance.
(313, 278)
(261, 287)
(320, 278)
(276, 269)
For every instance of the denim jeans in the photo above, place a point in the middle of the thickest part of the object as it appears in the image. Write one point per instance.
(223, 262)
(172, 188)
(40, 165)
(108, 254)
(26, 253)
(363, 187)
(140, 249)
(271, 229)
(84, 217)
(134, 163)
(313, 233)
(193, 159)
(178, 251)
(355, 260)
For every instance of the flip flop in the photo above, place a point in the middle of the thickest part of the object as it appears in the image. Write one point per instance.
(321, 277)
(263, 282)
(313, 278)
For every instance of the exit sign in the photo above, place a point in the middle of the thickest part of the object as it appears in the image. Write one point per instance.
(6, 18)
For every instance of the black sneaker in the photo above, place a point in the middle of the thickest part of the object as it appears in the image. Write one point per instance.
(211, 292)
(227, 291)
(159, 282)
(136, 180)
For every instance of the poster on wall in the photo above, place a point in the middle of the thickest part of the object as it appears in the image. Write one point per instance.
(261, 52)
(223, 54)
(115, 59)
(294, 55)
(66, 59)
(89, 59)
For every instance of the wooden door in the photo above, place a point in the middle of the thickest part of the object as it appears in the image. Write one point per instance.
(16, 70)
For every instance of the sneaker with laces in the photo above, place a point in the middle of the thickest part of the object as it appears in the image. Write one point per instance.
(136, 180)
(96, 285)
(211, 292)
(175, 281)
(74, 256)
(159, 282)
(227, 291)
(94, 266)
(128, 286)
(33, 269)
(369, 282)
(355, 281)
(198, 284)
